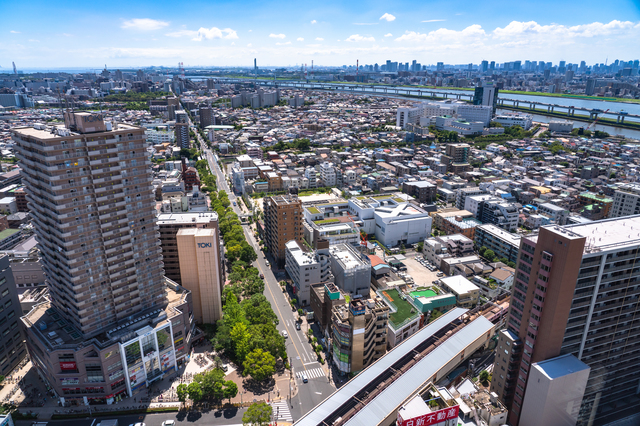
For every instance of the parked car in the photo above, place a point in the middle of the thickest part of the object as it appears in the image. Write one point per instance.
(285, 334)
(169, 423)
(297, 326)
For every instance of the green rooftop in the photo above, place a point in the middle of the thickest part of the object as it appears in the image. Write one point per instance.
(424, 293)
(595, 197)
(326, 221)
(7, 233)
(403, 312)
(313, 210)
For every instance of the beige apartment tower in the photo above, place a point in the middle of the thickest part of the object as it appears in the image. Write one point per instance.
(199, 271)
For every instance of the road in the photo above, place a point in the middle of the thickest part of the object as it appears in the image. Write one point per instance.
(230, 417)
(301, 355)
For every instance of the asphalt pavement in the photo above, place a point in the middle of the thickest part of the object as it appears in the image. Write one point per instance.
(301, 356)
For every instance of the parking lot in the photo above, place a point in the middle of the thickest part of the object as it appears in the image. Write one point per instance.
(420, 274)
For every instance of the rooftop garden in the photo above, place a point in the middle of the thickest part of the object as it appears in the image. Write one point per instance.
(326, 221)
(405, 311)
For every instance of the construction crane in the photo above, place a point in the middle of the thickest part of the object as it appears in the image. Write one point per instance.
(363, 236)
(596, 120)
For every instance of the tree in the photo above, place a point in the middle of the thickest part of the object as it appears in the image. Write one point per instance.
(240, 337)
(258, 414)
(484, 377)
(182, 392)
(230, 390)
(420, 246)
(489, 255)
(260, 365)
(482, 250)
(195, 391)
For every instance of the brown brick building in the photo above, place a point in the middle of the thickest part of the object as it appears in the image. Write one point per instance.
(282, 223)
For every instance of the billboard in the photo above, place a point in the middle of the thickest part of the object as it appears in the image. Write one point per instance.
(431, 418)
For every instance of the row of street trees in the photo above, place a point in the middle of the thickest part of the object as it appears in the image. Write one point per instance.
(247, 331)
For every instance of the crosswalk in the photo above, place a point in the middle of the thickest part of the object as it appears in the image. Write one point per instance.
(281, 411)
(311, 373)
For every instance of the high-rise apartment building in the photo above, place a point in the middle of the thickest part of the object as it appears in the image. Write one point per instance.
(182, 135)
(576, 293)
(12, 348)
(282, 223)
(199, 257)
(206, 117)
(626, 200)
(113, 318)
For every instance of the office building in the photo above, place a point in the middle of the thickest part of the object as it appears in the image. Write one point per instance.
(500, 213)
(282, 223)
(12, 349)
(199, 257)
(307, 267)
(576, 292)
(169, 224)
(358, 334)
(328, 174)
(88, 184)
(487, 95)
(509, 119)
(352, 270)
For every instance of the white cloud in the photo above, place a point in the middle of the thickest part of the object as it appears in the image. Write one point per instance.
(388, 35)
(300, 39)
(249, 45)
(67, 35)
(272, 35)
(533, 29)
(435, 20)
(443, 35)
(144, 24)
(388, 17)
(206, 33)
(14, 32)
(319, 39)
(358, 37)
(365, 23)
(283, 44)
(250, 31)
(34, 40)
(314, 22)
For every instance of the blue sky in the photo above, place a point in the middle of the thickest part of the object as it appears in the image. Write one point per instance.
(117, 33)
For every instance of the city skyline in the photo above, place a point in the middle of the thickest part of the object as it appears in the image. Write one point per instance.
(222, 34)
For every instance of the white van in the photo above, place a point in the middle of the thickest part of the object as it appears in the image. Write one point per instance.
(305, 379)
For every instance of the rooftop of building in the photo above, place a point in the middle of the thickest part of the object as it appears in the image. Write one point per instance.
(404, 311)
(300, 253)
(459, 284)
(465, 223)
(56, 333)
(283, 200)
(496, 231)
(601, 235)
(8, 233)
(348, 256)
(197, 232)
(560, 366)
(51, 132)
(596, 197)
(187, 218)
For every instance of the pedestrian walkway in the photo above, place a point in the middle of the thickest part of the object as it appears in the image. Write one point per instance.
(281, 411)
(312, 373)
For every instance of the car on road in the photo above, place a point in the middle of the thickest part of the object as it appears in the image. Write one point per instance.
(285, 334)
(305, 379)
(297, 326)
(262, 276)
(137, 424)
(266, 262)
(234, 203)
(169, 423)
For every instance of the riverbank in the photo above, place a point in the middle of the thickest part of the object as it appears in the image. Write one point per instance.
(576, 117)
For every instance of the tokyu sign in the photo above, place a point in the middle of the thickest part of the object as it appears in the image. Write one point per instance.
(432, 418)
(204, 245)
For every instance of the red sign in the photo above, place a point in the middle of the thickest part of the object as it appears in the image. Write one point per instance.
(68, 366)
(432, 418)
